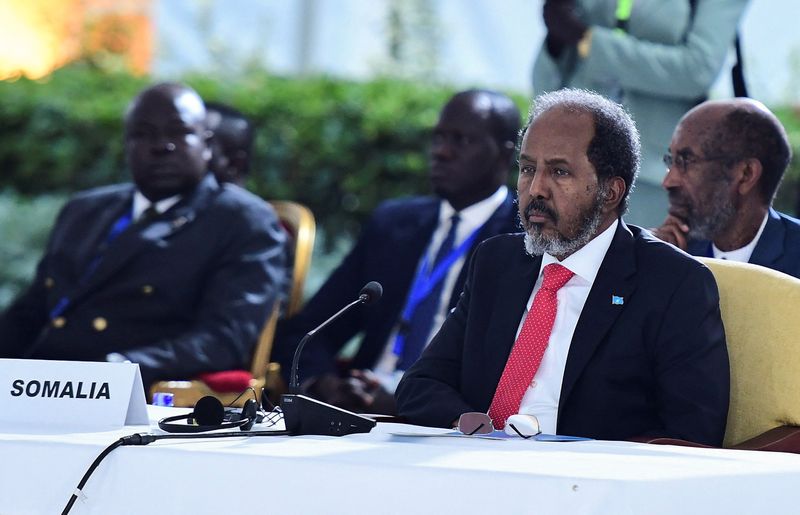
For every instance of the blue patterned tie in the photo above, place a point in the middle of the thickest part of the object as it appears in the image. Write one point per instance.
(419, 327)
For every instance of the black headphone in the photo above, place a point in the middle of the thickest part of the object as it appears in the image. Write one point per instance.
(209, 415)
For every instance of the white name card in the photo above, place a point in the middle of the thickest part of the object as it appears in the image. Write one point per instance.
(90, 396)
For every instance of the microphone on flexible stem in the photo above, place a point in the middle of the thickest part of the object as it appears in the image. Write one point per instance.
(306, 416)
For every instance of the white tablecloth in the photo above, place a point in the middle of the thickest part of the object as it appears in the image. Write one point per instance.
(382, 473)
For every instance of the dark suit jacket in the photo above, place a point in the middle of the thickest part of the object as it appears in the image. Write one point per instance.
(777, 248)
(388, 250)
(185, 293)
(657, 365)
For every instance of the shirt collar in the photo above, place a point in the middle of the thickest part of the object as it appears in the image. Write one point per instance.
(586, 261)
(140, 203)
(477, 213)
(743, 254)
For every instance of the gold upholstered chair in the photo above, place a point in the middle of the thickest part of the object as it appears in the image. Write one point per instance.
(300, 226)
(761, 313)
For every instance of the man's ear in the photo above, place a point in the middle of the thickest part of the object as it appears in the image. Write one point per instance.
(615, 191)
(748, 175)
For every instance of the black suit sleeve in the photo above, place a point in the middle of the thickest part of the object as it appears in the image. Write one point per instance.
(242, 285)
(23, 321)
(691, 367)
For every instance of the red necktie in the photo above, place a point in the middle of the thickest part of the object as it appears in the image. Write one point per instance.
(526, 356)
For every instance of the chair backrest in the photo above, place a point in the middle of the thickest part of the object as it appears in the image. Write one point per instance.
(761, 313)
(299, 223)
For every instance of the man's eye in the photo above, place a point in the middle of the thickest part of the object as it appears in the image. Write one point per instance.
(527, 169)
(560, 172)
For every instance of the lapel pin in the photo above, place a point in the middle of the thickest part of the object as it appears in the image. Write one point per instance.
(617, 301)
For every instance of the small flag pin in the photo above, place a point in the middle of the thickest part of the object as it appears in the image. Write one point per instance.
(617, 301)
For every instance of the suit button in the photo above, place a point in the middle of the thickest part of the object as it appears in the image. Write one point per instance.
(147, 289)
(99, 324)
(49, 282)
(58, 322)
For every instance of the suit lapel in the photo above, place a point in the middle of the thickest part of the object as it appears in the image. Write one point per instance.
(98, 229)
(616, 277)
(137, 237)
(415, 234)
(769, 248)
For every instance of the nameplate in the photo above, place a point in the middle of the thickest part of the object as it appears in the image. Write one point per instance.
(89, 396)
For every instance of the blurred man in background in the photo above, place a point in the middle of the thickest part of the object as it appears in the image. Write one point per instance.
(416, 248)
(173, 272)
(231, 143)
(724, 166)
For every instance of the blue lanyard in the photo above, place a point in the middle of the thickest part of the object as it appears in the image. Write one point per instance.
(427, 280)
(120, 225)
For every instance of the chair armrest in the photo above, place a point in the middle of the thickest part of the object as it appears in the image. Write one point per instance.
(660, 440)
(780, 439)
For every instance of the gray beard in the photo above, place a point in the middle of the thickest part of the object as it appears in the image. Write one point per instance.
(721, 213)
(536, 243)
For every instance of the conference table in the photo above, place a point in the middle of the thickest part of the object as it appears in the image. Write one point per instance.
(385, 472)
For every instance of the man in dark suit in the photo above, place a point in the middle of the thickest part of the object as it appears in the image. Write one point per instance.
(174, 272)
(400, 247)
(726, 160)
(595, 327)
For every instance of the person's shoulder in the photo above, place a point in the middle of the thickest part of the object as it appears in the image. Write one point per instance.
(503, 249)
(406, 205)
(97, 199)
(103, 193)
(655, 256)
(237, 200)
(502, 241)
(791, 223)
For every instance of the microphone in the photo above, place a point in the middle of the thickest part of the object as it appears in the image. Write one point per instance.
(303, 415)
(369, 294)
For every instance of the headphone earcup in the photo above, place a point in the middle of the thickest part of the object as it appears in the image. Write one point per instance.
(249, 412)
(209, 411)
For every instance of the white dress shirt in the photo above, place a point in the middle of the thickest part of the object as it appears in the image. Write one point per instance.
(743, 254)
(141, 203)
(542, 396)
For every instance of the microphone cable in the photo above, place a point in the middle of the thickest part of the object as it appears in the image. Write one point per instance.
(146, 438)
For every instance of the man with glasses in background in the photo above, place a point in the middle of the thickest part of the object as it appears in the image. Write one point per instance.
(724, 165)
(594, 327)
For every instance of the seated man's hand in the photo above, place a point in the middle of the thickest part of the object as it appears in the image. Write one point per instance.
(360, 393)
(673, 230)
(564, 27)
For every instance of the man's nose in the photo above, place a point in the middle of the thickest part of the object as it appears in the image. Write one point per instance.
(538, 187)
(671, 179)
(442, 149)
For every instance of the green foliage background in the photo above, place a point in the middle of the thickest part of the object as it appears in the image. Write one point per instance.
(338, 146)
